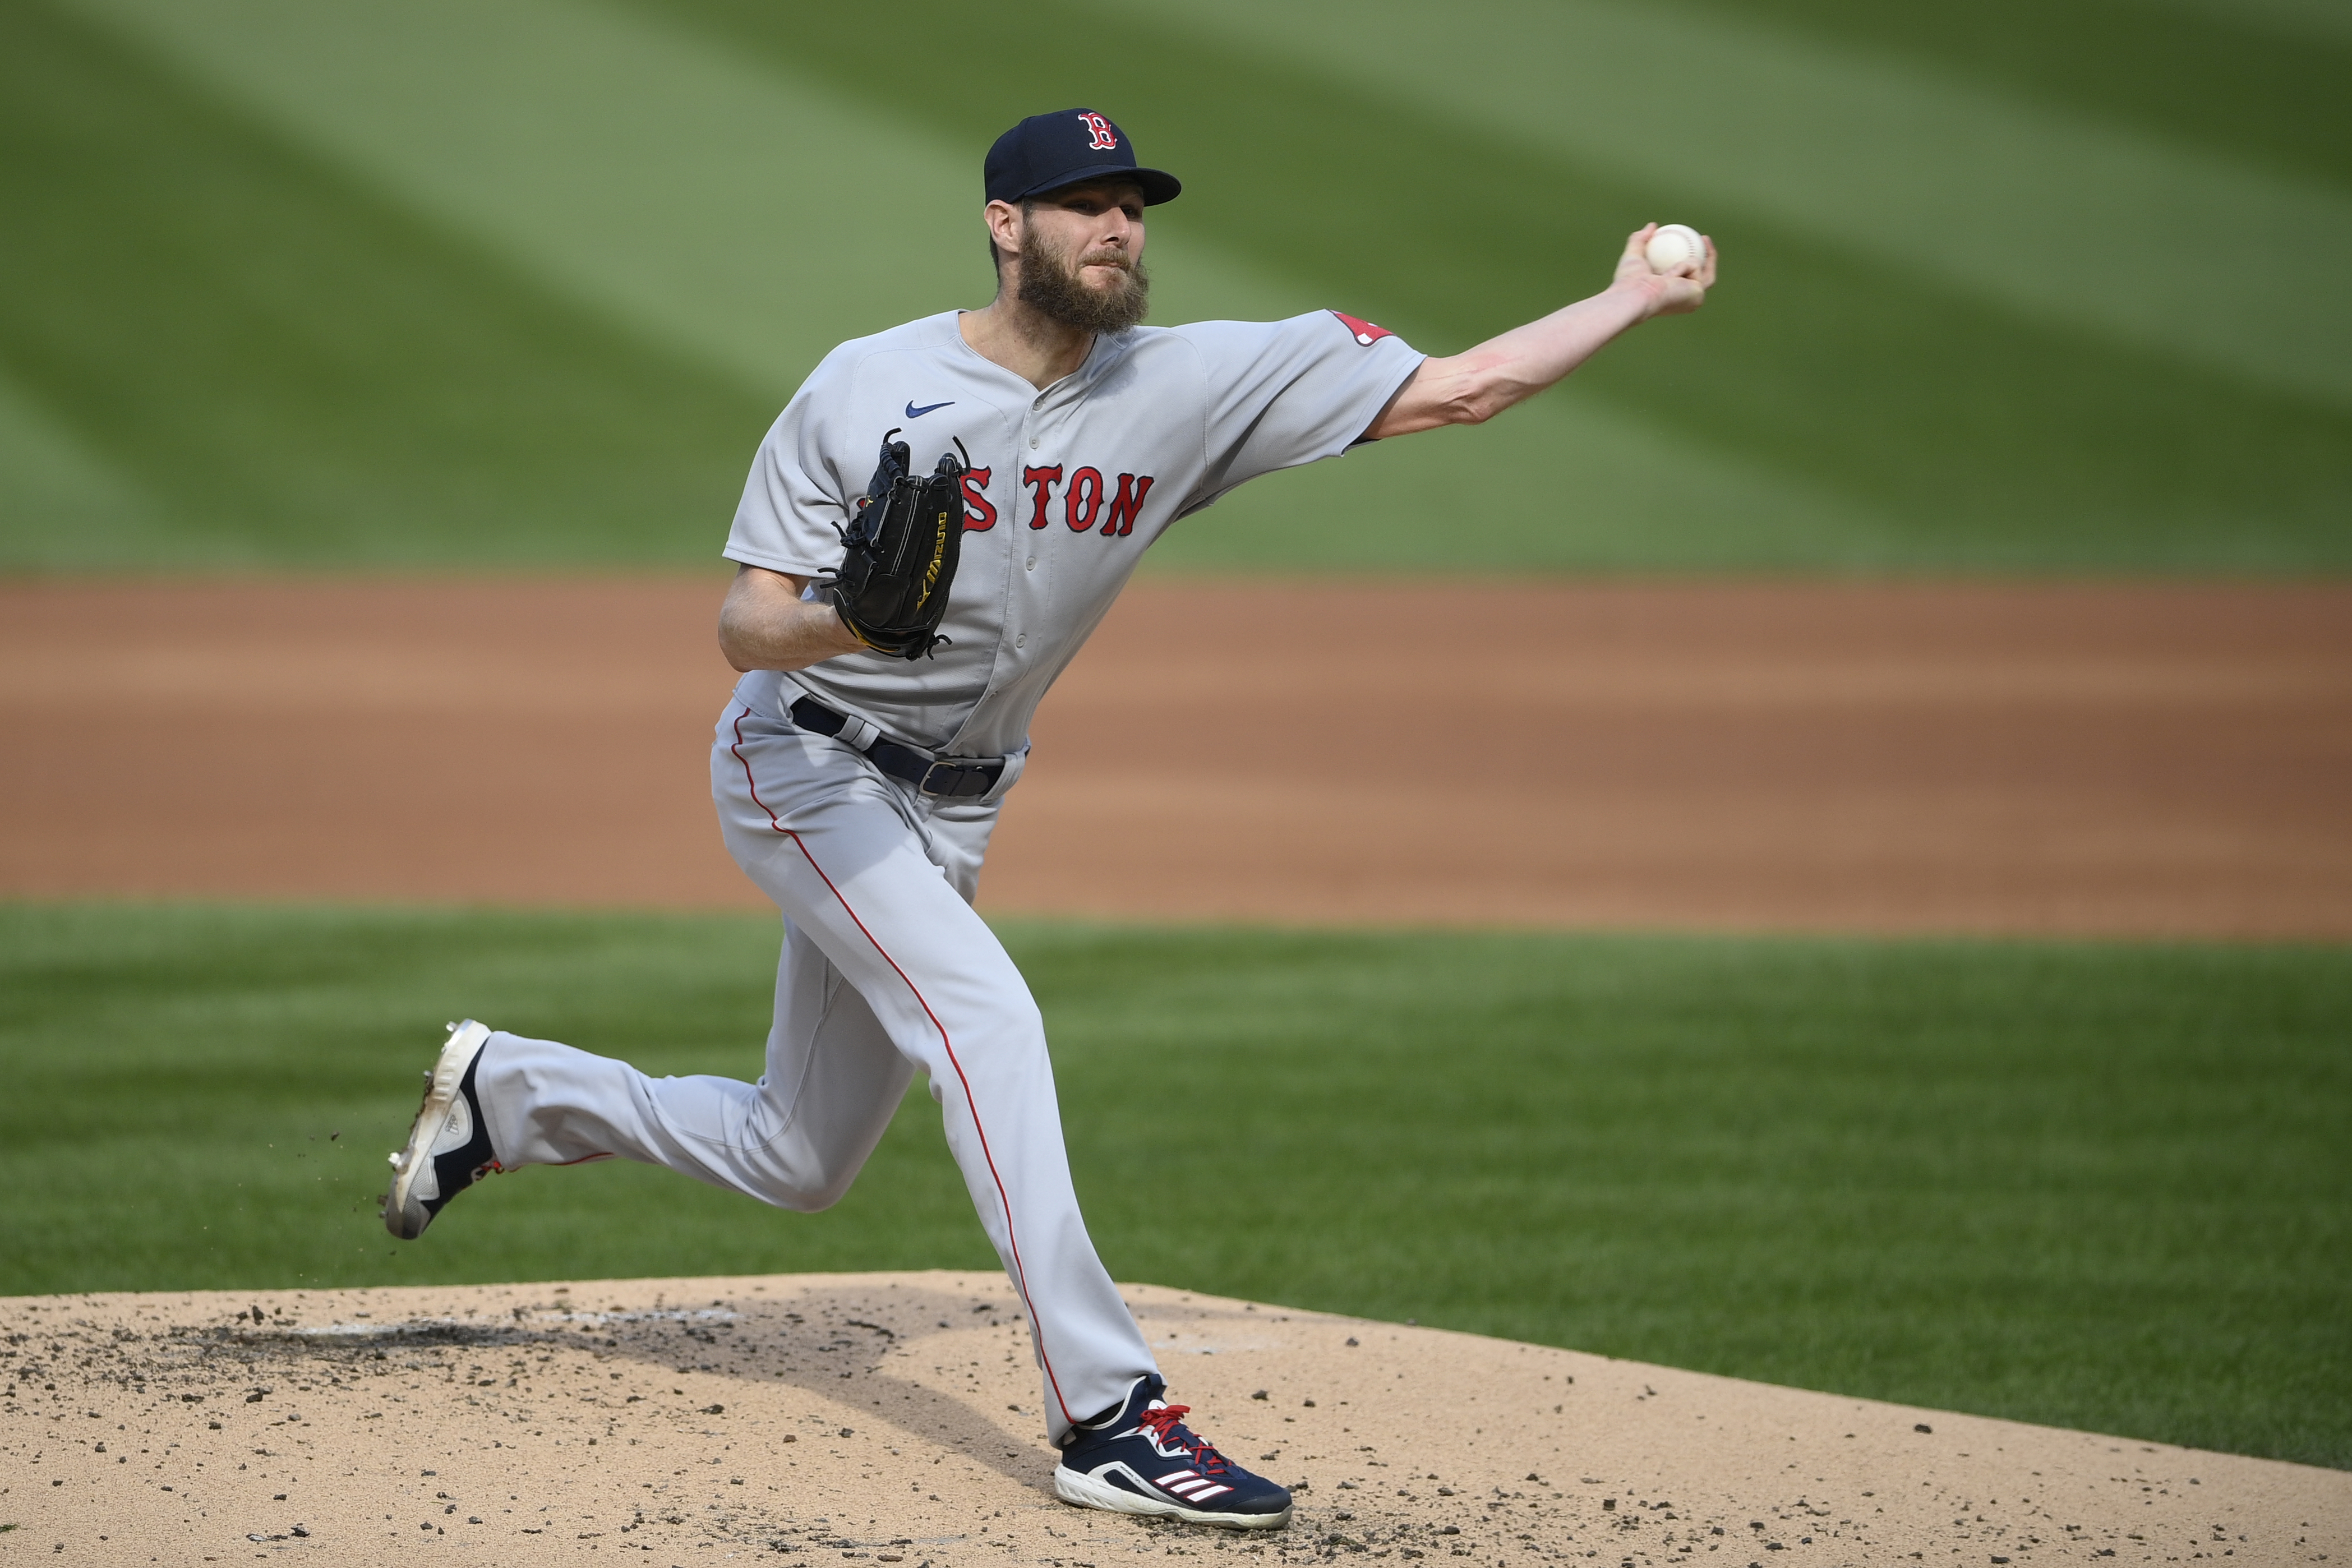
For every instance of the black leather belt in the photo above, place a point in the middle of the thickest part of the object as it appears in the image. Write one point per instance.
(950, 779)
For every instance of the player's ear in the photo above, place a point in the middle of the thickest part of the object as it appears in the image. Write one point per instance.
(1005, 226)
(1003, 221)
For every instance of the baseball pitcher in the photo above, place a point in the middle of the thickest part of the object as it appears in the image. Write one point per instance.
(930, 530)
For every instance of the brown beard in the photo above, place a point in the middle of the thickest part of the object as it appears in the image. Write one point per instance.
(1051, 286)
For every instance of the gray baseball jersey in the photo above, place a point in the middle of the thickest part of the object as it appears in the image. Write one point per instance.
(1068, 488)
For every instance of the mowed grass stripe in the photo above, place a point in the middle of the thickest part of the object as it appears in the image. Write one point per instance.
(692, 191)
(2099, 1186)
(2262, 81)
(2303, 21)
(711, 204)
(63, 504)
(739, 211)
(303, 374)
(729, 197)
(1994, 440)
(1863, 152)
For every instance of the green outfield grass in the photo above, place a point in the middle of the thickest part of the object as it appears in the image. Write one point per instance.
(2102, 1186)
(2032, 287)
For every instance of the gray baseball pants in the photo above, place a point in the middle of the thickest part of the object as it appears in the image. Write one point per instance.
(885, 967)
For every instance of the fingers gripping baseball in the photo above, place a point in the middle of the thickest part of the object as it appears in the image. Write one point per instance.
(1659, 262)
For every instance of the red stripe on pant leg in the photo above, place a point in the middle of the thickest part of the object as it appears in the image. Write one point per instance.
(752, 784)
(1019, 1271)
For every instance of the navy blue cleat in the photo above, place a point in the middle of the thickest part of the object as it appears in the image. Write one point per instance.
(449, 1148)
(1140, 1459)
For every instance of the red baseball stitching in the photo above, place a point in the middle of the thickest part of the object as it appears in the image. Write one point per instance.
(1021, 1271)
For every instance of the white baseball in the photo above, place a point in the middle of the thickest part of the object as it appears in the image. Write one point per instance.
(1675, 247)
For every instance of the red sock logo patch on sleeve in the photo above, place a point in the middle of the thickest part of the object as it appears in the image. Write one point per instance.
(1366, 333)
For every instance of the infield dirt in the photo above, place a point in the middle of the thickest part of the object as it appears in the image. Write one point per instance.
(2074, 758)
(889, 1418)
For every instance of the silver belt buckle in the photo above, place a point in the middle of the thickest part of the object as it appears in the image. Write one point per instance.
(956, 772)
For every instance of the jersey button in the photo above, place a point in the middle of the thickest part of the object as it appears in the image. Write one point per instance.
(1021, 641)
(1033, 564)
(1033, 443)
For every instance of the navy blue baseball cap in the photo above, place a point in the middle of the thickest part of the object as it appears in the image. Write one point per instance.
(1048, 152)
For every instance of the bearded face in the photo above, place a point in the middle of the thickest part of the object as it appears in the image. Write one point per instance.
(1051, 284)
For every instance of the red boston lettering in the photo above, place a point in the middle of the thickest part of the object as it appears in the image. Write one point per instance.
(1126, 503)
(1105, 139)
(1366, 333)
(1084, 499)
(979, 513)
(1041, 483)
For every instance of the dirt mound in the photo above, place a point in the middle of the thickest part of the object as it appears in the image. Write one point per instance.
(889, 1418)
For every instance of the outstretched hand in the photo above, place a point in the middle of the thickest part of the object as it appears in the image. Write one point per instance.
(1672, 293)
(1474, 386)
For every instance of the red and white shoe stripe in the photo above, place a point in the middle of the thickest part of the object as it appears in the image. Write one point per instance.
(1190, 1485)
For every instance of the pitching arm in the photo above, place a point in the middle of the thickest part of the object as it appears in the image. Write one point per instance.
(1471, 388)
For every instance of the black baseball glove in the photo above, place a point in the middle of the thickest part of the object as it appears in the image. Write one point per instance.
(900, 554)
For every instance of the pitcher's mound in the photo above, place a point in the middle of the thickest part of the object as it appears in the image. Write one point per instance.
(890, 1418)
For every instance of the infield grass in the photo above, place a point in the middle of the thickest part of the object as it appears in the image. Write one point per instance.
(318, 282)
(2098, 1186)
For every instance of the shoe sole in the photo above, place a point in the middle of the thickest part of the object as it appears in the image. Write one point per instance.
(1084, 1492)
(403, 1214)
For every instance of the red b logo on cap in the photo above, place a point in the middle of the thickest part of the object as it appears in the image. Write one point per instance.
(1105, 140)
